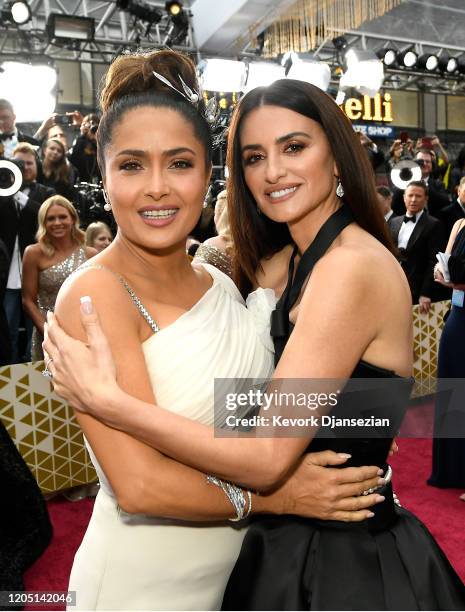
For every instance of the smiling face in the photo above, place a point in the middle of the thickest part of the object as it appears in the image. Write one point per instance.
(155, 177)
(288, 164)
(58, 222)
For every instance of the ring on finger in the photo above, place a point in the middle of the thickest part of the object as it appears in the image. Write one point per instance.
(387, 479)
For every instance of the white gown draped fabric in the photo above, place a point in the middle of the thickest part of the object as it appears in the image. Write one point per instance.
(134, 562)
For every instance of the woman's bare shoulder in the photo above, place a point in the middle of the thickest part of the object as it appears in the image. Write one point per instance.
(216, 241)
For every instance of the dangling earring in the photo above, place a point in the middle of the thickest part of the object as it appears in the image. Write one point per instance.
(107, 205)
(339, 188)
(258, 210)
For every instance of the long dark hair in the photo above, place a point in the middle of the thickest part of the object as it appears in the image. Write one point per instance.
(57, 171)
(254, 235)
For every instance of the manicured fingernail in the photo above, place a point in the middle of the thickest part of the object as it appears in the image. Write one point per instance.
(381, 481)
(380, 472)
(344, 455)
(86, 305)
(370, 514)
(380, 498)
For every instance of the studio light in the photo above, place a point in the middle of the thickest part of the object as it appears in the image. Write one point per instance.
(407, 58)
(428, 61)
(69, 27)
(143, 11)
(20, 12)
(17, 12)
(222, 75)
(306, 68)
(448, 64)
(26, 82)
(387, 55)
(340, 43)
(365, 72)
(262, 74)
(179, 23)
(173, 8)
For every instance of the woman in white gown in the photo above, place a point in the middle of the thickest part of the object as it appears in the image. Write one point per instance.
(173, 329)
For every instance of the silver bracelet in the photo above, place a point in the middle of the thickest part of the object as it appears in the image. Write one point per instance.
(235, 496)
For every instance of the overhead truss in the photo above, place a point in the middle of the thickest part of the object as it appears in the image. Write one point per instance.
(115, 30)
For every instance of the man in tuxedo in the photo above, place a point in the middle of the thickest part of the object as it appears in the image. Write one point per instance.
(18, 228)
(10, 136)
(456, 210)
(25, 153)
(437, 195)
(419, 237)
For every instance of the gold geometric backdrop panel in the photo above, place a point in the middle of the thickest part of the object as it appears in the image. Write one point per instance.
(427, 330)
(43, 428)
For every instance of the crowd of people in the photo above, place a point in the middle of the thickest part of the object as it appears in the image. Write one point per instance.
(301, 207)
(30, 224)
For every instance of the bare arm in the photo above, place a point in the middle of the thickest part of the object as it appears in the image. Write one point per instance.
(30, 286)
(144, 481)
(345, 316)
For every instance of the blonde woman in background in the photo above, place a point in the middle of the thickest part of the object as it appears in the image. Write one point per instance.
(59, 250)
(218, 250)
(98, 236)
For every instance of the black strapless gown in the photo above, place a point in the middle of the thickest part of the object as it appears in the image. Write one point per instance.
(388, 562)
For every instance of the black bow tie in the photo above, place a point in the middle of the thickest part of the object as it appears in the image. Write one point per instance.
(6, 135)
(407, 219)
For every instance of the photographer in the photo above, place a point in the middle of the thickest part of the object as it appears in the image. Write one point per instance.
(83, 153)
(437, 199)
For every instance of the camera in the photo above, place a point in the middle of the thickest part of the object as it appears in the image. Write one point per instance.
(63, 120)
(93, 128)
(11, 176)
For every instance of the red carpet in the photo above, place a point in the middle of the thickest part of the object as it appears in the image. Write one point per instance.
(439, 509)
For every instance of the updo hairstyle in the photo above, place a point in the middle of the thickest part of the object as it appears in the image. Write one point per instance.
(130, 83)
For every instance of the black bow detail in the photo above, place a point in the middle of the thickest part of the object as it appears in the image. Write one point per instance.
(6, 135)
(407, 219)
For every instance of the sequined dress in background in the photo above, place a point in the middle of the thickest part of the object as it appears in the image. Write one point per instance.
(50, 281)
(209, 254)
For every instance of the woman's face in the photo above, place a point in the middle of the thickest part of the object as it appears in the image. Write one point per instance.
(102, 240)
(156, 177)
(287, 162)
(58, 222)
(53, 152)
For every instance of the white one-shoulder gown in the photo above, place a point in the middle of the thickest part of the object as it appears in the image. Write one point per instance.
(134, 562)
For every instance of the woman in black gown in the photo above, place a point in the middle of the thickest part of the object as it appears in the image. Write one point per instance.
(301, 194)
(449, 452)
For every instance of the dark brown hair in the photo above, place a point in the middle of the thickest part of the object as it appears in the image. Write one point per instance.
(56, 171)
(254, 235)
(420, 184)
(130, 83)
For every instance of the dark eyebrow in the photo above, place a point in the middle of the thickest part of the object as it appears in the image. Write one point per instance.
(282, 139)
(168, 153)
(279, 140)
